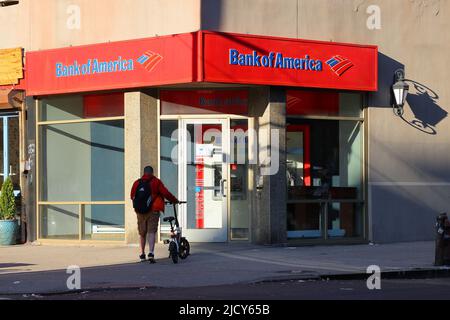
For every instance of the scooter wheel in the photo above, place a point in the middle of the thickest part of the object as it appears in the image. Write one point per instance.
(173, 252)
(185, 248)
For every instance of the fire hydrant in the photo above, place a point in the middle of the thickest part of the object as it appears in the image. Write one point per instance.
(442, 240)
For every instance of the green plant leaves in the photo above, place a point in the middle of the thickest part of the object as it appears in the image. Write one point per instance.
(7, 201)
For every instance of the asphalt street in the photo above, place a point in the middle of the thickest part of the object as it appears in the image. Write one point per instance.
(402, 289)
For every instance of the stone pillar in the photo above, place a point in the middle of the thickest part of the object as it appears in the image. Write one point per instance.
(141, 149)
(29, 176)
(268, 109)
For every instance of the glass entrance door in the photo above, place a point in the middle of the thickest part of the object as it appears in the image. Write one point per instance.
(9, 162)
(204, 185)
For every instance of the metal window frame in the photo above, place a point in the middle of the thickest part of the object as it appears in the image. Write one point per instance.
(81, 204)
(363, 119)
(227, 118)
(5, 118)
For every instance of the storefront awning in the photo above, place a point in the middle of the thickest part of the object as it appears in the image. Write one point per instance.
(202, 56)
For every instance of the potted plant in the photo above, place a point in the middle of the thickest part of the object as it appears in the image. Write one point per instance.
(8, 222)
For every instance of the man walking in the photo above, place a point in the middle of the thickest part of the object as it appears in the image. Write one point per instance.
(148, 194)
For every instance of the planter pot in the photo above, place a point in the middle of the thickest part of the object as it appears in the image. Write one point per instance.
(8, 232)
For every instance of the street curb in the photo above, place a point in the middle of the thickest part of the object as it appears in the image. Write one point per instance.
(76, 291)
(443, 272)
(400, 274)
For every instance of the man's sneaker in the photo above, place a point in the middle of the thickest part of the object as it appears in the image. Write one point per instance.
(151, 258)
(142, 257)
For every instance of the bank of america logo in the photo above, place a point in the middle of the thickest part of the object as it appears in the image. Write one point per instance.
(339, 65)
(149, 60)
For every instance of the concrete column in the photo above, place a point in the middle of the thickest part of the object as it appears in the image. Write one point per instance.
(141, 149)
(268, 109)
(29, 178)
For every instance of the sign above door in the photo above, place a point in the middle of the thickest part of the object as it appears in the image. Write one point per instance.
(200, 57)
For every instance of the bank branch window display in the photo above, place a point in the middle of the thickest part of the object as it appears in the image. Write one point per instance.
(81, 167)
(324, 165)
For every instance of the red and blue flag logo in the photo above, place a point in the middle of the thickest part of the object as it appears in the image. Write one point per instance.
(339, 64)
(149, 60)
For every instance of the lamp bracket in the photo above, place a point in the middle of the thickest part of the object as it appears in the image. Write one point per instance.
(399, 75)
(398, 111)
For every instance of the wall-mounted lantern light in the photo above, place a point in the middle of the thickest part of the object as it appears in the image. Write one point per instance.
(400, 90)
(7, 3)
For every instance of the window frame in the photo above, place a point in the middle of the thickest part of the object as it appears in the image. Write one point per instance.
(81, 204)
(362, 202)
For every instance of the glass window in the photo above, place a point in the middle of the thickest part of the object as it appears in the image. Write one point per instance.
(324, 159)
(345, 220)
(298, 155)
(13, 151)
(323, 103)
(104, 222)
(59, 222)
(239, 168)
(82, 161)
(169, 167)
(204, 174)
(324, 171)
(304, 220)
(82, 107)
(350, 104)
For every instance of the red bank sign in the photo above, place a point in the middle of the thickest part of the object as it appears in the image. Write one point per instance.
(202, 57)
(113, 65)
(289, 62)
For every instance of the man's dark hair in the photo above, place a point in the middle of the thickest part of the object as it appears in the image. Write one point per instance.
(148, 170)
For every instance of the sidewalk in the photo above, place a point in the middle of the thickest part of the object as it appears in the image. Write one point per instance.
(42, 269)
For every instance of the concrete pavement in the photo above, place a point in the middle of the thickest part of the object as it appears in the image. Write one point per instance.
(31, 269)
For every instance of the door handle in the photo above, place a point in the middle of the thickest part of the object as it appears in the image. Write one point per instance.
(222, 187)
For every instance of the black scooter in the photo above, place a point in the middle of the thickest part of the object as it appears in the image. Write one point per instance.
(178, 245)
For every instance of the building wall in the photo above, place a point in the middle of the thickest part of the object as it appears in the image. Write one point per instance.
(44, 24)
(409, 159)
(141, 145)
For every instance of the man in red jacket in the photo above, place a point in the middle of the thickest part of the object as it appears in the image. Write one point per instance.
(148, 222)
